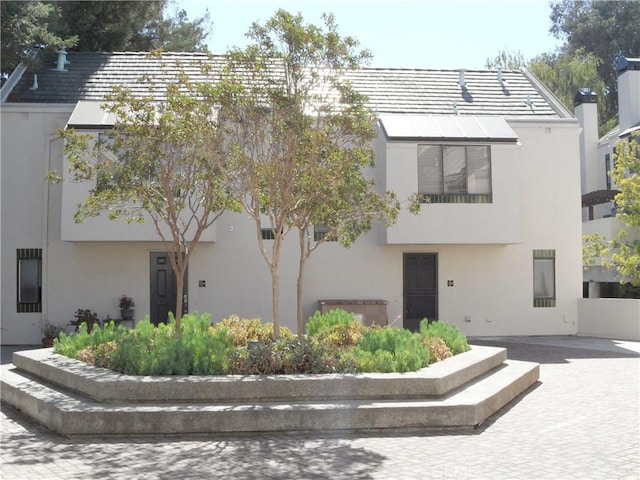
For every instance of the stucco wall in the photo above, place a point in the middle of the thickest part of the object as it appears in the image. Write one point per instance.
(29, 144)
(499, 222)
(609, 317)
(537, 188)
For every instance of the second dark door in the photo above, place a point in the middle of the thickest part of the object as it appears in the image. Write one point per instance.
(420, 288)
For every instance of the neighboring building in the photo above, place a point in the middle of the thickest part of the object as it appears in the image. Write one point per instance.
(597, 156)
(496, 252)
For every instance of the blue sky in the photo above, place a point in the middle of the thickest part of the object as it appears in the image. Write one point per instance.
(402, 33)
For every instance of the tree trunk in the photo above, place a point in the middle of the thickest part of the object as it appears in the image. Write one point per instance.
(275, 288)
(179, 296)
(303, 258)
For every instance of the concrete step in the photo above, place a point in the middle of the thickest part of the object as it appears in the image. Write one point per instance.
(71, 414)
(107, 386)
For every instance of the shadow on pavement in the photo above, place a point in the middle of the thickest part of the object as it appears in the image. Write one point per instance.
(6, 351)
(559, 350)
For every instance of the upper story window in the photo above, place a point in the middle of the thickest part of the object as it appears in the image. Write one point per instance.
(320, 232)
(455, 173)
(607, 166)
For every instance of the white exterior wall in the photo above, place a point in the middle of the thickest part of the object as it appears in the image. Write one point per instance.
(610, 318)
(604, 222)
(97, 229)
(29, 141)
(591, 166)
(499, 222)
(628, 99)
(536, 186)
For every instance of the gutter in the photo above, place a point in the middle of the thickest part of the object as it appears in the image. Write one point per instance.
(11, 82)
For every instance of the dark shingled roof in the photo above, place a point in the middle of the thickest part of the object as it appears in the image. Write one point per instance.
(90, 76)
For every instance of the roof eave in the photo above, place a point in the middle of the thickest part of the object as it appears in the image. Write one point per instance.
(11, 82)
(555, 103)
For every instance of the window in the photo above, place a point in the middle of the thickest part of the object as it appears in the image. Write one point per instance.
(607, 166)
(544, 278)
(267, 234)
(29, 280)
(320, 231)
(455, 173)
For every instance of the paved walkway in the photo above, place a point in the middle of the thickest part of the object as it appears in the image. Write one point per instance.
(582, 420)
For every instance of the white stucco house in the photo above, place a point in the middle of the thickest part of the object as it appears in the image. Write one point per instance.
(604, 311)
(495, 252)
(598, 188)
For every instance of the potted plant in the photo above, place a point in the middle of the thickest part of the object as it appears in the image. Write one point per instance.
(126, 307)
(49, 333)
(83, 315)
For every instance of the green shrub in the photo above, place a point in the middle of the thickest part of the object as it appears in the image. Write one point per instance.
(390, 350)
(342, 336)
(287, 356)
(336, 330)
(247, 347)
(380, 361)
(196, 350)
(456, 342)
(320, 324)
(243, 331)
(70, 345)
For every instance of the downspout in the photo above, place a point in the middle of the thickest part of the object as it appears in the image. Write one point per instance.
(45, 227)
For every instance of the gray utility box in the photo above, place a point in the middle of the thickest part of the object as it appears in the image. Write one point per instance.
(367, 312)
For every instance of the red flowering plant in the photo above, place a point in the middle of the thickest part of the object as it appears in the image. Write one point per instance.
(126, 302)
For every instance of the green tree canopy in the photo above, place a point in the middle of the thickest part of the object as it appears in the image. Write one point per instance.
(603, 29)
(26, 26)
(96, 26)
(161, 159)
(564, 73)
(622, 253)
(302, 138)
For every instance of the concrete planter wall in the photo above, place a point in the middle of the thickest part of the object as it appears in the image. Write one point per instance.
(73, 398)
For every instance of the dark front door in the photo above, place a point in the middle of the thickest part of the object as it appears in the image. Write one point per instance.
(163, 288)
(420, 287)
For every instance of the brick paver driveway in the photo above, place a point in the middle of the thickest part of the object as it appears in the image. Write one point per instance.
(581, 421)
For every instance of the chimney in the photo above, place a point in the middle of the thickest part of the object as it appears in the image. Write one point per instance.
(628, 92)
(586, 111)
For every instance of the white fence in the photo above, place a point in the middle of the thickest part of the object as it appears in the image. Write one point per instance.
(617, 318)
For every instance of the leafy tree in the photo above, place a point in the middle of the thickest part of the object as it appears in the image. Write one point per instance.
(507, 60)
(96, 26)
(302, 138)
(177, 33)
(25, 26)
(161, 158)
(604, 29)
(622, 253)
(564, 73)
(108, 26)
(132, 25)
